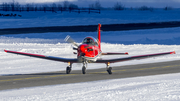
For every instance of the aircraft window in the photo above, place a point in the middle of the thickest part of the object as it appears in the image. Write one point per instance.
(90, 41)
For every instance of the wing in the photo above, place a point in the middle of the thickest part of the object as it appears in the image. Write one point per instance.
(44, 57)
(133, 57)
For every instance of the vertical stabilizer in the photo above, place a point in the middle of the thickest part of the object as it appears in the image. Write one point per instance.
(99, 36)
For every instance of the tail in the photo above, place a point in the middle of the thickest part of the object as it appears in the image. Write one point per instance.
(99, 36)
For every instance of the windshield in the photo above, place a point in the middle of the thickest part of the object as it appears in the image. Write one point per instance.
(90, 40)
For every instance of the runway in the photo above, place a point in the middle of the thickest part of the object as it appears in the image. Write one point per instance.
(16, 81)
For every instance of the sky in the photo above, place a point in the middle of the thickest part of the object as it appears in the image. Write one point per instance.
(111, 3)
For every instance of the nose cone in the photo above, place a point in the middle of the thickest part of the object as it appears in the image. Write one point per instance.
(82, 48)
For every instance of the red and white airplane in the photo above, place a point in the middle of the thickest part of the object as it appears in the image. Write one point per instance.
(89, 52)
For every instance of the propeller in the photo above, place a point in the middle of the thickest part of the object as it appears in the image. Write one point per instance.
(70, 40)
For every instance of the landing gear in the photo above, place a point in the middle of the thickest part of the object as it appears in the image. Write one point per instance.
(84, 67)
(109, 69)
(84, 70)
(68, 68)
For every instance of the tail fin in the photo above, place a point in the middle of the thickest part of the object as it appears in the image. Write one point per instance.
(99, 36)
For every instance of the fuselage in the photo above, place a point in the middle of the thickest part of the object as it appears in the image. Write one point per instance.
(88, 50)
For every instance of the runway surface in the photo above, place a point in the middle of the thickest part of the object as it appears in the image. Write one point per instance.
(15, 81)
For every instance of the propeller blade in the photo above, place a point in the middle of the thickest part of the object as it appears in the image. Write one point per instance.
(75, 48)
(70, 40)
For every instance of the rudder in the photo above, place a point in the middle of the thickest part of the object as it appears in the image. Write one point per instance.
(99, 36)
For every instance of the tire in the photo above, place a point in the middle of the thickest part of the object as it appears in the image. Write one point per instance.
(109, 70)
(68, 70)
(84, 70)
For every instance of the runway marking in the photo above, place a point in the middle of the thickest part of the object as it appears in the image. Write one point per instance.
(37, 77)
(30, 78)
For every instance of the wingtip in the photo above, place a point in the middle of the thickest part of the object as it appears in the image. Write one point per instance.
(5, 50)
(126, 53)
(173, 52)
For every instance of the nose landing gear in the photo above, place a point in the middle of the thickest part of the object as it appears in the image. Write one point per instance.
(84, 67)
(84, 70)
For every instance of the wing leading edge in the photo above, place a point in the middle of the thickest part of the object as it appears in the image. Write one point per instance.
(44, 57)
(133, 57)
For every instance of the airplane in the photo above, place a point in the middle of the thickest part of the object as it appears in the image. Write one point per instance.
(89, 52)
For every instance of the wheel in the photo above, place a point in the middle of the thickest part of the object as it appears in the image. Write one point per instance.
(109, 70)
(84, 70)
(68, 70)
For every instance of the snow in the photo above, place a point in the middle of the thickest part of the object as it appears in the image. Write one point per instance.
(149, 88)
(137, 42)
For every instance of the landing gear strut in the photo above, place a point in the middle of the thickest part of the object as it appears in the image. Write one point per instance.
(68, 68)
(109, 69)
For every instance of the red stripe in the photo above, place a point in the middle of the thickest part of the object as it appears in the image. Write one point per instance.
(24, 53)
(99, 35)
(173, 52)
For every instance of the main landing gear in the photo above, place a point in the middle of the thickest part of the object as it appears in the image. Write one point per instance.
(109, 69)
(68, 68)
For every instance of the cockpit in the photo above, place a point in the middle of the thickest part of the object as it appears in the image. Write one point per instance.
(90, 40)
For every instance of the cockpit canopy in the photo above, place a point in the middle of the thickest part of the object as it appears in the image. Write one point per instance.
(90, 40)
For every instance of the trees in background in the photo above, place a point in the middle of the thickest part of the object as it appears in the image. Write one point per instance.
(65, 6)
(168, 8)
(119, 6)
(15, 6)
(145, 8)
(95, 5)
